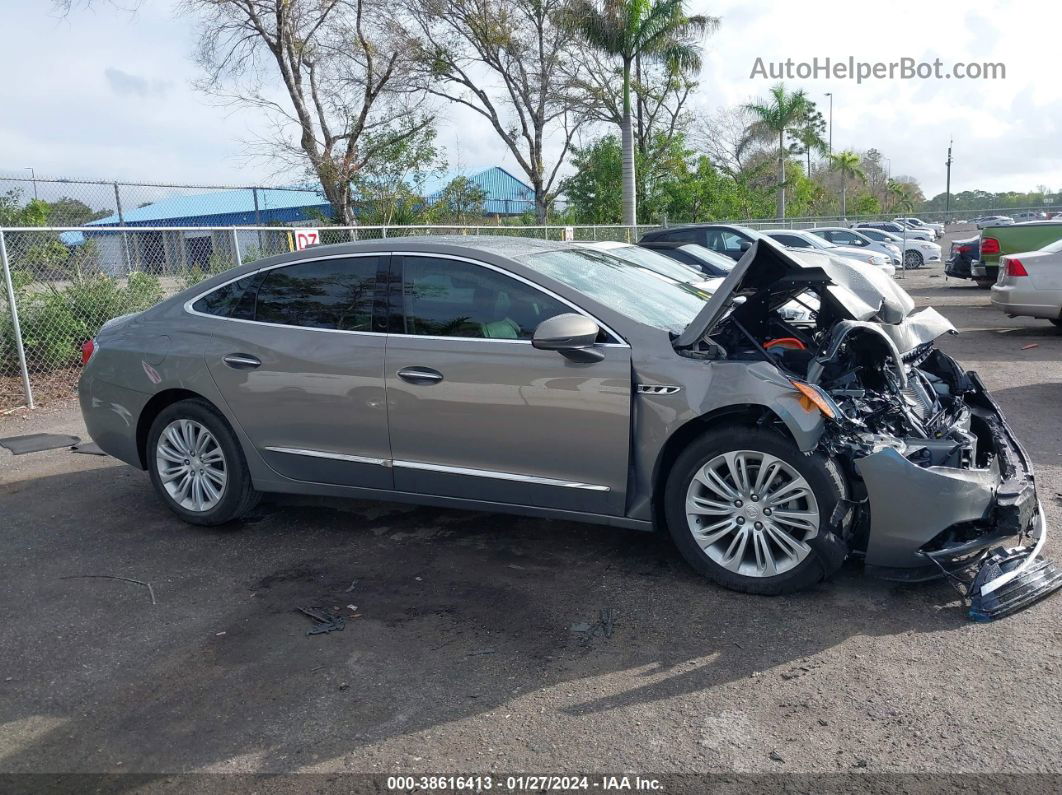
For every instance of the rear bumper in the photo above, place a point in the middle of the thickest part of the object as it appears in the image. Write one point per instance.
(111, 413)
(924, 516)
(1027, 302)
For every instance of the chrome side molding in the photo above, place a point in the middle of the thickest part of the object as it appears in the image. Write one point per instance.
(354, 459)
(448, 470)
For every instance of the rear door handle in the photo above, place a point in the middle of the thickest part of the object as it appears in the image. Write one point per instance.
(242, 361)
(420, 375)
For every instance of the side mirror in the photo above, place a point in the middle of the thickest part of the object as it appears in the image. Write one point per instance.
(744, 246)
(572, 335)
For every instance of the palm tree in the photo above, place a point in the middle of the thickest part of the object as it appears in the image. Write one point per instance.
(781, 115)
(810, 135)
(630, 30)
(848, 163)
(902, 196)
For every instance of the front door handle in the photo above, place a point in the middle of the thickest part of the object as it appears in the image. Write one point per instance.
(242, 361)
(420, 375)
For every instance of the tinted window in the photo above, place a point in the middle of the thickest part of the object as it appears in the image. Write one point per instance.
(329, 294)
(448, 298)
(792, 240)
(725, 242)
(681, 235)
(223, 300)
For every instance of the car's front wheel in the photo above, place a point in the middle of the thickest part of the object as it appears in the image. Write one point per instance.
(751, 512)
(197, 466)
(913, 259)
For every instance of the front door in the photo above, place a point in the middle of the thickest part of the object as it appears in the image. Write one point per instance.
(297, 357)
(477, 412)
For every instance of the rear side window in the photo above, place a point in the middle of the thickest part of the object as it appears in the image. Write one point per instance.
(223, 301)
(325, 294)
(449, 298)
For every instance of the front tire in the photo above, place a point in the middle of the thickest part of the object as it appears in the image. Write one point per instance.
(197, 466)
(912, 260)
(752, 513)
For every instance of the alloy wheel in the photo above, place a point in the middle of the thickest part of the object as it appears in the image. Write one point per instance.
(191, 465)
(912, 259)
(752, 513)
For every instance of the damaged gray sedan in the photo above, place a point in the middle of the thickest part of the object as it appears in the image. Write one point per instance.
(553, 380)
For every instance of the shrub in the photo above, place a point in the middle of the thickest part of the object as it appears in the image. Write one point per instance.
(55, 319)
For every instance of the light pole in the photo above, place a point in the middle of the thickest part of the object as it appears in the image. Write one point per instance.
(830, 95)
(888, 179)
(33, 176)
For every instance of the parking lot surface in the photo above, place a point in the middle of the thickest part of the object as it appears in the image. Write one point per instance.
(478, 642)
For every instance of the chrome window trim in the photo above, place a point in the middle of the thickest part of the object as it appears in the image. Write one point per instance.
(495, 475)
(190, 301)
(578, 309)
(354, 459)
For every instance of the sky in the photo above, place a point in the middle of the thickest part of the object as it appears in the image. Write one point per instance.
(107, 94)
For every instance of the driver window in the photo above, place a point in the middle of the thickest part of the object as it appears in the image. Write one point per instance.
(450, 298)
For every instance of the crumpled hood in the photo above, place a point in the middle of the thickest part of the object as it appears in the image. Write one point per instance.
(855, 292)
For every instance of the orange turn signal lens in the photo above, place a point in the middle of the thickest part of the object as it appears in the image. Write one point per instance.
(811, 399)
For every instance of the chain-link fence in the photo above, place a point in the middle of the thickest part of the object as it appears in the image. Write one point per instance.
(65, 283)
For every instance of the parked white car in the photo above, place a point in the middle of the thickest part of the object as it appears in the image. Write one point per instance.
(916, 251)
(993, 220)
(799, 239)
(1030, 284)
(853, 238)
(918, 224)
(897, 229)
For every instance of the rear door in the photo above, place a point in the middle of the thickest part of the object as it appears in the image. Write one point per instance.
(477, 412)
(299, 357)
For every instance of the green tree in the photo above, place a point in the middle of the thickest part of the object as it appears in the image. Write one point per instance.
(14, 213)
(460, 202)
(902, 197)
(847, 164)
(782, 114)
(388, 189)
(631, 30)
(810, 135)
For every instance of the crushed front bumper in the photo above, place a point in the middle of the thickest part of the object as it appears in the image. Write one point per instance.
(928, 522)
(920, 516)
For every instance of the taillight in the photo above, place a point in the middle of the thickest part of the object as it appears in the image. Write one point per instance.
(1014, 267)
(989, 245)
(967, 249)
(88, 347)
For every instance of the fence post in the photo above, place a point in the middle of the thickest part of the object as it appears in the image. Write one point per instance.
(236, 247)
(125, 236)
(14, 321)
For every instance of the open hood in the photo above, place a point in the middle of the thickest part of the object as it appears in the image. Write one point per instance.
(848, 291)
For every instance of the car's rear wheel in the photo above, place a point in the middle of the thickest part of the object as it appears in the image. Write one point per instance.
(751, 512)
(913, 259)
(197, 466)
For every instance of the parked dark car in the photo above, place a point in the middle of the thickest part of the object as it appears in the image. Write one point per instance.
(704, 259)
(964, 253)
(729, 239)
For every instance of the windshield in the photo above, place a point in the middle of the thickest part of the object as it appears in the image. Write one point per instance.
(627, 287)
(716, 261)
(657, 262)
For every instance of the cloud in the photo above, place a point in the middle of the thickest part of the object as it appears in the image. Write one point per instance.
(126, 84)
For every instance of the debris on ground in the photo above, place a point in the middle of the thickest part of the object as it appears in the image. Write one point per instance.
(777, 757)
(151, 591)
(604, 625)
(323, 622)
(38, 442)
(1030, 345)
(87, 448)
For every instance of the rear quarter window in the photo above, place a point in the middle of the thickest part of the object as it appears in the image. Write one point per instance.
(223, 301)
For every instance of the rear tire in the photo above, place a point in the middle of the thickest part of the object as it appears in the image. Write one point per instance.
(913, 260)
(758, 468)
(197, 465)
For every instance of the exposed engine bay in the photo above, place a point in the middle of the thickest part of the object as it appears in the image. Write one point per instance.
(937, 480)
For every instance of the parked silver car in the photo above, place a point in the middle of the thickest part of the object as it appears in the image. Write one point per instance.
(548, 379)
